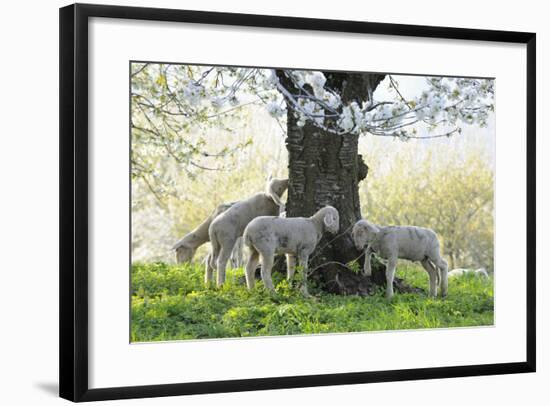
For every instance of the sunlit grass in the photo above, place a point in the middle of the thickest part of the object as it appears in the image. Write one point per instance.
(170, 302)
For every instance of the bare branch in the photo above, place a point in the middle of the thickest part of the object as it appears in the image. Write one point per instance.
(140, 70)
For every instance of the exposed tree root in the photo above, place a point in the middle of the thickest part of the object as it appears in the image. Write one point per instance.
(339, 279)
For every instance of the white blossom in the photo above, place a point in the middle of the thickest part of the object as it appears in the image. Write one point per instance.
(383, 112)
(299, 77)
(421, 113)
(443, 104)
(274, 109)
(398, 108)
(368, 117)
(193, 93)
(309, 107)
(301, 121)
(271, 79)
(469, 94)
(217, 102)
(332, 100)
(436, 103)
(346, 119)
(317, 81)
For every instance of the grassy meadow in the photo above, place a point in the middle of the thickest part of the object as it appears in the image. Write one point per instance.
(170, 302)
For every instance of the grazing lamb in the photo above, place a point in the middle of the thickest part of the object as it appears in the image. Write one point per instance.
(405, 242)
(481, 272)
(229, 226)
(296, 237)
(187, 246)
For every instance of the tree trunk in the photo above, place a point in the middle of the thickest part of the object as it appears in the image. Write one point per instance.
(326, 169)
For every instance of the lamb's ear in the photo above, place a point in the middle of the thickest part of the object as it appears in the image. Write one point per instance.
(372, 228)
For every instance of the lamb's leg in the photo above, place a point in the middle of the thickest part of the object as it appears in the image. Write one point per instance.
(209, 272)
(240, 252)
(290, 266)
(233, 259)
(212, 260)
(302, 260)
(367, 271)
(443, 282)
(432, 272)
(225, 253)
(390, 274)
(267, 264)
(438, 273)
(237, 254)
(253, 261)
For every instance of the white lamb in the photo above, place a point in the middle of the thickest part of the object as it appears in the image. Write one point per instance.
(481, 272)
(405, 242)
(229, 226)
(296, 237)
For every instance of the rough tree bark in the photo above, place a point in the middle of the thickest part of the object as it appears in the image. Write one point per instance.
(326, 169)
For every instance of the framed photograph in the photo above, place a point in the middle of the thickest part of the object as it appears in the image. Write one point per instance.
(256, 202)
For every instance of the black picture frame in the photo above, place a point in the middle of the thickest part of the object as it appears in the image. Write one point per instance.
(73, 281)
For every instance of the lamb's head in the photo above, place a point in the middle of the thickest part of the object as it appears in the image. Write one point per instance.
(331, 219)
(362, 233)
(275, 189)
(481, 272)
(184, 253)
(277, 186)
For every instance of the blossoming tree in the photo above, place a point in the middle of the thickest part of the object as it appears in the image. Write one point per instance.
(323, 115)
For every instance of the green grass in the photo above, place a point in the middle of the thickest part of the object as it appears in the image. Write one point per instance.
(170, 302)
